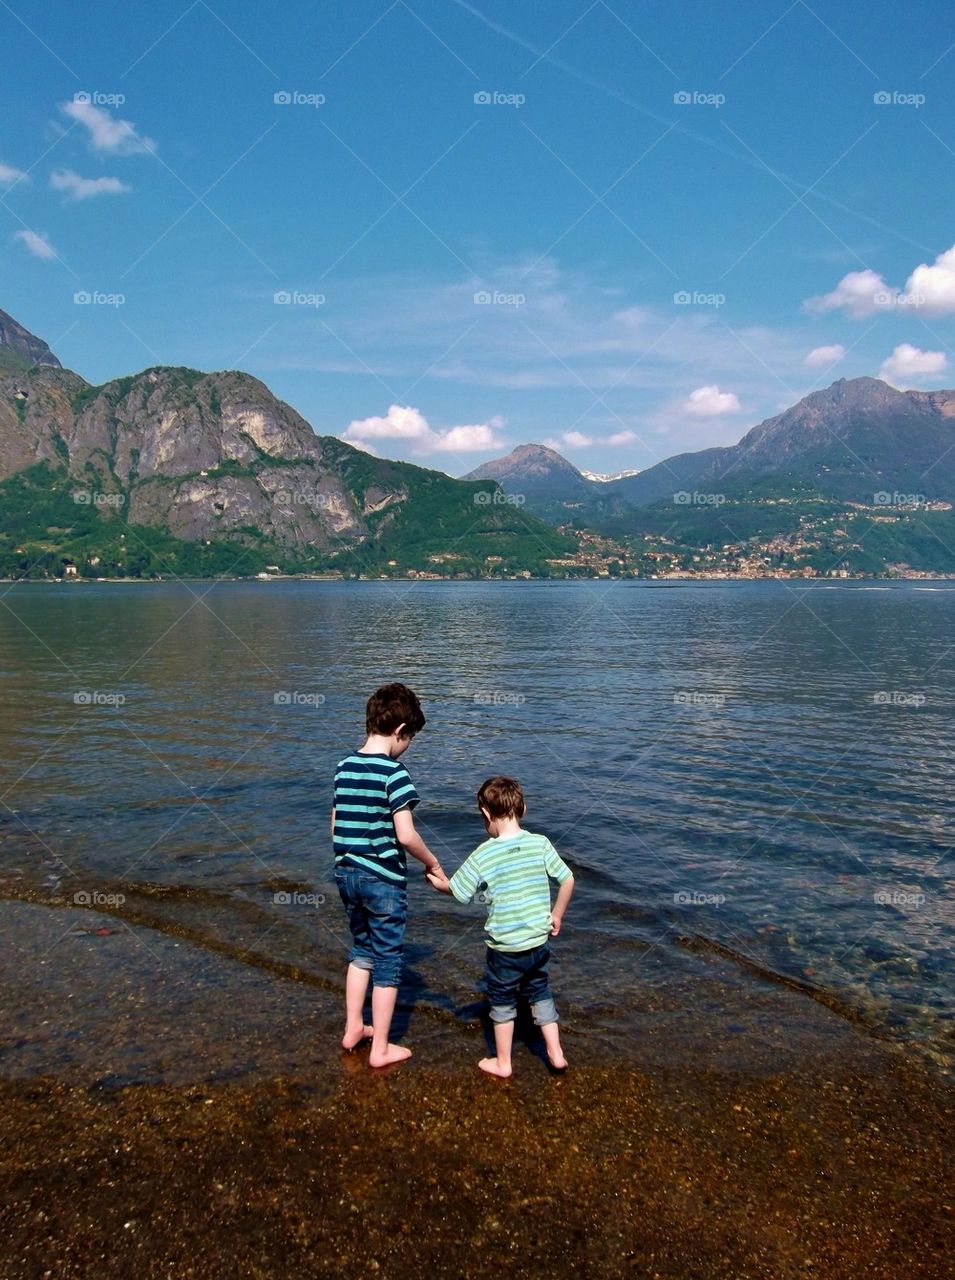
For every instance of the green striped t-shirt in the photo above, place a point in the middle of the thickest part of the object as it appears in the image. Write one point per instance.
(513, 872)
(370, 788)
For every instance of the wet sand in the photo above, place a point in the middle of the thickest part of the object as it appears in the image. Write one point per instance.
(605, 1171)
(197, 1119)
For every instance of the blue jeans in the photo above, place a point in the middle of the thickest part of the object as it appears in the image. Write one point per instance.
(520, 973)
(377, 910)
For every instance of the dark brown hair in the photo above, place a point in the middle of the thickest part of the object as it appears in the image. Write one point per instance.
(391, 705)
(502, 798)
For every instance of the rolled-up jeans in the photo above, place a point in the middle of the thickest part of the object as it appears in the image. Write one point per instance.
(520, 973)
(377, 910)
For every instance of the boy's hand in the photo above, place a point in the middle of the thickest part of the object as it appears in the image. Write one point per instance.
(438, 880)
(555, 922)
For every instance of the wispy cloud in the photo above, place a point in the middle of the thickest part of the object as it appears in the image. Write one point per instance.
(79, 188)
(117, 137)
(38, 244)
(9, 175)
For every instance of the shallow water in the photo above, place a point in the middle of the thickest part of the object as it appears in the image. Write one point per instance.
(749, 779)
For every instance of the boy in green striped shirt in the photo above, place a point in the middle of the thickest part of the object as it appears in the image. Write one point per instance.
(514, 868)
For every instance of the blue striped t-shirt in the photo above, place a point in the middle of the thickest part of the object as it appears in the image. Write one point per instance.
(369, 789)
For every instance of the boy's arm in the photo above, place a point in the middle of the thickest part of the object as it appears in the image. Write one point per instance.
(333, 820)
(564, 895)
(466, 880)
(411, 842)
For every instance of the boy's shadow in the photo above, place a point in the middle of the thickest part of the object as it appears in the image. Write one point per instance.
(413, 988)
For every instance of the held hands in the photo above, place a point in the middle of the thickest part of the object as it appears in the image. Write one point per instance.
(437, 879)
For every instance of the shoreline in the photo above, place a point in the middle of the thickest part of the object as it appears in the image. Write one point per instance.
(500, 581)
(744, 1133)
(832, 1170)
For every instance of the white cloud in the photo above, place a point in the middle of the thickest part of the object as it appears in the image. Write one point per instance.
(576, 439)
(83, 188)
(38, 244)
(10, 175)
(929, 288)
(622, 437)
(404, 423)
(711, 402)
(822, 356)
(860, 293)
(932, 288)
(907, 362)
(118, 137)
(469, 439)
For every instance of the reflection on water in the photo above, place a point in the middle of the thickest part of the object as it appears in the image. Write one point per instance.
(757, 771)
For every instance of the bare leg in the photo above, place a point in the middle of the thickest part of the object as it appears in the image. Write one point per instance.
(383, 1054)
(356, 988)
(503, 1039)
(555, 1055)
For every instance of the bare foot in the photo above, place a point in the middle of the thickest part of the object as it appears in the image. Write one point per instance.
(393, 1053)
(558, 1062)
(494, 1068)
(352, 1038)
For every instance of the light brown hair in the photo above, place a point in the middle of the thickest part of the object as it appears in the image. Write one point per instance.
(502, 798)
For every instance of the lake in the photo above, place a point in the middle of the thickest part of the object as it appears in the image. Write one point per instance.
(751, 781)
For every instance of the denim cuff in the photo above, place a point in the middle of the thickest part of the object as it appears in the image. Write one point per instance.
(360, 960)
(503, 1012)
(544, 1011)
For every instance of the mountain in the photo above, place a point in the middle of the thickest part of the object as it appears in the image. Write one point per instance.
(19, 349)
(549, 486)
(852, 440)
(537, 470)
(157, 466)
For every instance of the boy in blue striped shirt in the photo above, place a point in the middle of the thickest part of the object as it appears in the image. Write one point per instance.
(514, 869)
(372, 830)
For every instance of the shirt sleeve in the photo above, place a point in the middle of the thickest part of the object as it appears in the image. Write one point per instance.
(466, 880)
(401, 790)
(554, 864)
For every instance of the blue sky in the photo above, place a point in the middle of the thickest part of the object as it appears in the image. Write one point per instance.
(624, 230)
